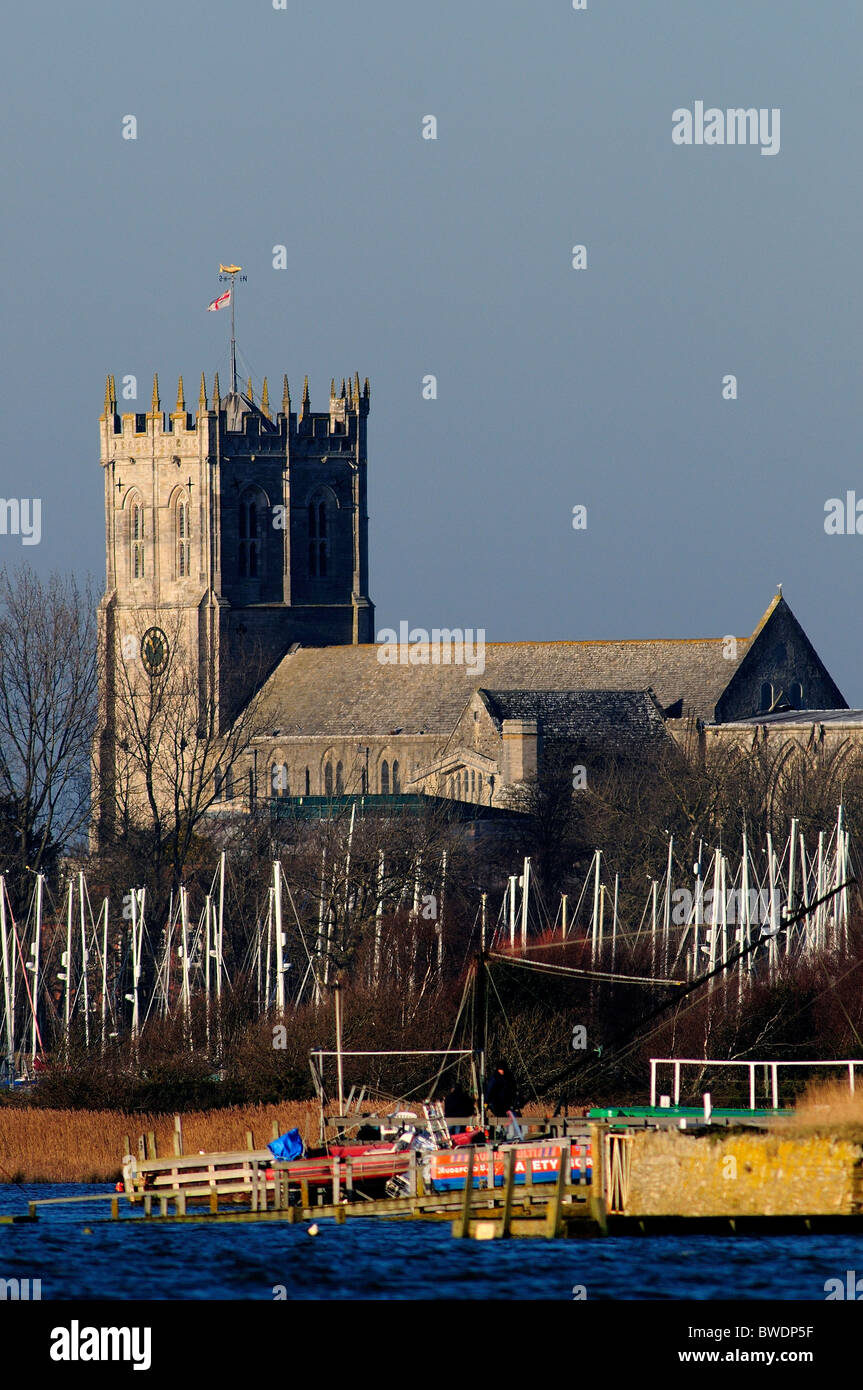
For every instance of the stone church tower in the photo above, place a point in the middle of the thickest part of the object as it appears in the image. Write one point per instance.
(236, 533)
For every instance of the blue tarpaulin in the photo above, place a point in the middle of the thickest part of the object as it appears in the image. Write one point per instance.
(288, 1145)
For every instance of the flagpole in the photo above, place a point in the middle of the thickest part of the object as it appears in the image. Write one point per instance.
(233, 343)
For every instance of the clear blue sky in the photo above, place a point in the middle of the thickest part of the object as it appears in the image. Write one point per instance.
(258, 127)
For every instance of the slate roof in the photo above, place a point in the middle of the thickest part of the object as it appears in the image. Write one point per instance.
(346, 690)
(586, 717)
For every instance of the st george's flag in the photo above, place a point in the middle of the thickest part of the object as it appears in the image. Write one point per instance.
(220, 303)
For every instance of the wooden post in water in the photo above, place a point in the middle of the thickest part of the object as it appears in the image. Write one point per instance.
(275, 1129)
(250, 1139)
(463, 1225)
(151, 1144)
(596, 1202)
(178, 1136)
(142, 1148)
(553, 1223)
(337, 1167)
(508, 1181)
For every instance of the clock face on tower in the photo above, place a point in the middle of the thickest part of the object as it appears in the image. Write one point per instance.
(154, 651)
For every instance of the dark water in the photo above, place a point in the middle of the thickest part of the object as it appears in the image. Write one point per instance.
(376, 1259)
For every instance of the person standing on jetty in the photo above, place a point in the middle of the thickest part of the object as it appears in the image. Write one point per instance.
(501, 1095)
(458, 1105)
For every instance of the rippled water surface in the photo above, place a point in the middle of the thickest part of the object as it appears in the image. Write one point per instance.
(376, 1259)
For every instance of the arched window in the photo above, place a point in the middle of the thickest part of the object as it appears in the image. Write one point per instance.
(385, 778)
(479, 786)
(328, 780)
(396, 783)
(183, 553)
(228, 784)
(279, 779)
(136, 532)
(318, 538)
(472, 783)
(251, 529)
(766, 696)
(308, 783)
(795, 695)
(340, 780)
(217, 785)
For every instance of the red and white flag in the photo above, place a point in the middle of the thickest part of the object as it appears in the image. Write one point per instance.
(220, 302)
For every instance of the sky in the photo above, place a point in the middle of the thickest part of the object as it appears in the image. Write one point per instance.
(407, 257)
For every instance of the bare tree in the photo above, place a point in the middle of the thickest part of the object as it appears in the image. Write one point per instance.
(48, 707)
(171, 753)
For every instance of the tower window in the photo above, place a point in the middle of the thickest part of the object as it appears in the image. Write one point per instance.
(385, 778)
(136, 523)
(766, 697)
(318, 539)
(328, 780)
(795, 695)
(251, 536)
(340, 780)
(396, 783)
(183, 552)
(279, 779)
(308, 783)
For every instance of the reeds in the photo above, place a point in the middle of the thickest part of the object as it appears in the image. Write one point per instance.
(829, 1107)
(38, 1145)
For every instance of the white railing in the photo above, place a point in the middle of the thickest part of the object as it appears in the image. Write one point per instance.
(773, 1067)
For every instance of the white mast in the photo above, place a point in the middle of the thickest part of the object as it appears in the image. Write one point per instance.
(84, 958)
(104, 972)
(35, 949)
(66, 972)
(597, 857)
(7, 983)
(280, 965)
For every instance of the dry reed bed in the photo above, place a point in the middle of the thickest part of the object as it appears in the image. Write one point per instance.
(39, 1145)
(88, 1145)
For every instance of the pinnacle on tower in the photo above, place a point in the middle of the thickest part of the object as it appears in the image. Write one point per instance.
(332, 388)
(107, 395)
(342, 392)
(357, 387)
(113, 395)
(249, 391)
(217, 398)
(286, 395)
(180, 407)
(265, 400)
(155, 405)
(350, 393)
(306, 402)
(202, 399)
(366, 392)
